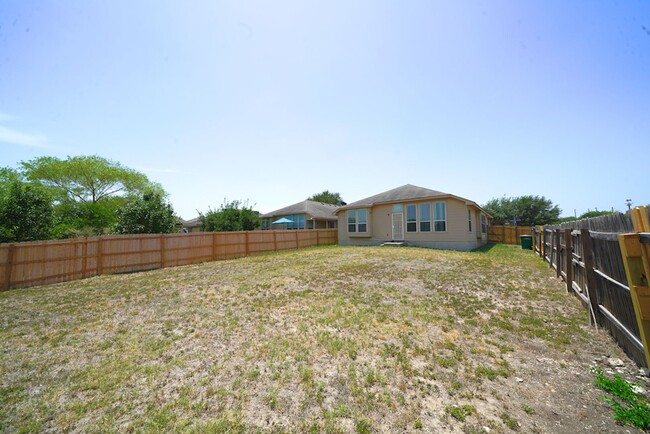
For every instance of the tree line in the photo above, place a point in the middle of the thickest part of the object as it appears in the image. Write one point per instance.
(50, 198)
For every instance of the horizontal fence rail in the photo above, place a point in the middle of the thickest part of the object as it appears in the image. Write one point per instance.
(41, 262)
(507, 234)
(586, 254)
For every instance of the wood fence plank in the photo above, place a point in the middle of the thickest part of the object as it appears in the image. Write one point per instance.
(596, 317)
(636, 272)
(100, 259)
(8, 268)
(558, 246)
(568, 259)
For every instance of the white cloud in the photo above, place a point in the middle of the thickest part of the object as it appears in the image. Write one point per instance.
(15, 137)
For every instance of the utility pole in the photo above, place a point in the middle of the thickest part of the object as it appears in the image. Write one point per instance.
(629, 203)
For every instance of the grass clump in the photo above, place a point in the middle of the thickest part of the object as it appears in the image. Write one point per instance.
(509, 421)
(629, 407)
(460, 412)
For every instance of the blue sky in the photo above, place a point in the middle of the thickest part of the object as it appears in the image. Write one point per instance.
(275, 101)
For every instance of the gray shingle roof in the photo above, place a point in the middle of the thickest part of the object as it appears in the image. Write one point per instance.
(318, 210)
(195, 222)
(405, 192)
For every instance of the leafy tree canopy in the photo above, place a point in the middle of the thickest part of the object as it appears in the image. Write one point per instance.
(25, 212)
(328, 197)
(87, 178)
(148, 214)
(530, 210)
(231, 216)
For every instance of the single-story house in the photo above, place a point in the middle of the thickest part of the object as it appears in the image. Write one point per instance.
(415, 215)
(307, 214)
(192, 225)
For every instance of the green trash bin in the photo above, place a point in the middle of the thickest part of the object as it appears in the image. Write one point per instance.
(527, 242)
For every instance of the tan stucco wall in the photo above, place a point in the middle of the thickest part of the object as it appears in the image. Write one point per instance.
(456, 237)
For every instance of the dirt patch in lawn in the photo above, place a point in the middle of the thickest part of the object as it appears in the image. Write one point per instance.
(322, 340)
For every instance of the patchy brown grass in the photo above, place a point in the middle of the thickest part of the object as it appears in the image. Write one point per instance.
(316, 340)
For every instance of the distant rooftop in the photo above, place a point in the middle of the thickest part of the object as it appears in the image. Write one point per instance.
(320, 210)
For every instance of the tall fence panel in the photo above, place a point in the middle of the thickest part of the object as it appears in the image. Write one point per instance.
(587, 255)
(42, 262)
(507, 234)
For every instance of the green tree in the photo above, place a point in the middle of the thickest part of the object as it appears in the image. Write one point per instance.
(529, 210)
(327, 197)
(147, 214)
(231, 216)
(83, 219)
(25, 212)
(88, 191)
(87, 178)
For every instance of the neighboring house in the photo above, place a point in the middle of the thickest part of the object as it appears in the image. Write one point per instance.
(415, 215)
(307, 214)
(193, 225)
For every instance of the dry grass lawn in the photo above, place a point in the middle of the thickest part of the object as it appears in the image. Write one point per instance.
(334, 339)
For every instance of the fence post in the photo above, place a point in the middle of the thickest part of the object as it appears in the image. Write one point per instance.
(317, 237)
(516, 234)
(296, 232)
(275, 241)
(100, 254)
(10, 258)
(558, 246)
(596, 317)
(246, 243)
(214, 246)
(550, 246)
(162, 250)
(568, 259)
(84, 259)
(636, 259)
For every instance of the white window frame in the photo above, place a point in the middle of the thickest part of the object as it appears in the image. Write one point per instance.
(435, 216)
(406, 213)
(420, 221)
(469, 218)
(484, 224)
(351, 214)
(364, 222)
(357, 224)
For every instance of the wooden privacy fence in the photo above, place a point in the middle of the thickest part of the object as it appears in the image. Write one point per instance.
(42, 262)
(587, 255)
(507, 234)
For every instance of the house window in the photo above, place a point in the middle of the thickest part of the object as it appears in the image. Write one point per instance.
(358, 220)
(297, 221)
(352, 220)
(440, 216)
(483, 224)
(411, 218)
(425, 217)
(469, 219)
(397, 207)
(362, 214)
